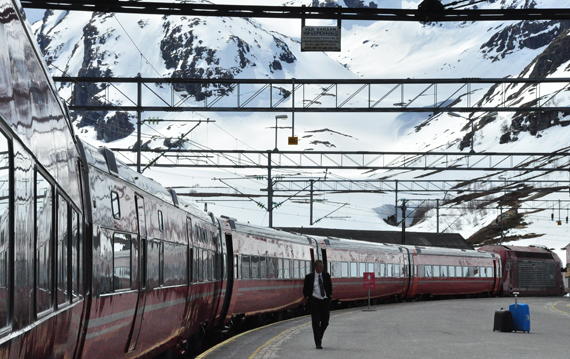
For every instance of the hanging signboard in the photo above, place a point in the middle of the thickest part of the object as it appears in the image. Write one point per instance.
(320, 38)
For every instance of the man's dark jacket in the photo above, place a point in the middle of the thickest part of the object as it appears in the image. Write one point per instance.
(309, 282)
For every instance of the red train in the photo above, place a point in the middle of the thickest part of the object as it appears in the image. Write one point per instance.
(97, 260)
(531, 271)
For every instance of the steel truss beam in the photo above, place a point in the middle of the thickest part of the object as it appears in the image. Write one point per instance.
(314, 95)
(415, 186)
(360, 160)
(297, 12)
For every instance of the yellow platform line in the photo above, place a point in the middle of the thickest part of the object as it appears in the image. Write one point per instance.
(225, 342)
(558, 310)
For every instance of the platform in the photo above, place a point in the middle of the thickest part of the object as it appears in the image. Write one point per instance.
(458, 328)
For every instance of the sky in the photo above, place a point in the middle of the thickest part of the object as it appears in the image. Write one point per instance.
(34, 15)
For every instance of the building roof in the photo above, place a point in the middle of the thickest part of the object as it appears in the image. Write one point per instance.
(444, 240)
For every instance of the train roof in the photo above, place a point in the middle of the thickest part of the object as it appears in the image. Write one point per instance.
(343, 243)
(105, 160)
(437, 251)
(254, 230)
(444, 240)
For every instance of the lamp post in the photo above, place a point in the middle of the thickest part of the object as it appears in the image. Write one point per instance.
(278, 117)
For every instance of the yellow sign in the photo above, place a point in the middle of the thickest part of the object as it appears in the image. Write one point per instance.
(293, 140)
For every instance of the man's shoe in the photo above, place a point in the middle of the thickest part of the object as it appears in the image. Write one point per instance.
(319, 347)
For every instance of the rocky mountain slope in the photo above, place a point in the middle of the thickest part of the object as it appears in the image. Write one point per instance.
(85, 44)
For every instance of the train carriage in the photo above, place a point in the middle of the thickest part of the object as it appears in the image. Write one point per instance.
(348, 260)
(445, 271)
(529, 270)
(269, 268)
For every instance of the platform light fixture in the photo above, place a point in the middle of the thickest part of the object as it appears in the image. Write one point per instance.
(278, 117)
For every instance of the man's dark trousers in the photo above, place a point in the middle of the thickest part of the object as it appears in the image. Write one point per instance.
(320, 315)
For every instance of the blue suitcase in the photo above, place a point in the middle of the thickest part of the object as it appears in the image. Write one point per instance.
(521, 316)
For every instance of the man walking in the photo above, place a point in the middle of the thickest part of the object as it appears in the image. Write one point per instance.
(318, 292)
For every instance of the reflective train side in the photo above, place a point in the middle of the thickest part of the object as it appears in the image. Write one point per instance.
(41, 213)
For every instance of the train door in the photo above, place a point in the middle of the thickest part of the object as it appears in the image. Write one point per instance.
(228, 274)
(139, 309)
(190, 269)
(408, 272)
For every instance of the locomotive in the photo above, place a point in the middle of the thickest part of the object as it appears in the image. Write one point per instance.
(97, 260)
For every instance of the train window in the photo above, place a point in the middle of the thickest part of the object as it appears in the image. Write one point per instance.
(236, 266)
(361, 268)
(245, 268)
(286, 265)
(211, 256)
(62, 247)
(121, 261)
(344, 270)
(482, 272)
(5, 190)
(272, 268)
(353, 269)
(444, 271)
(263, 267)
(451, 271)
(115, 206)
(205, 265)
(302, 269)
(382, 269)
(336, 269)
(458, 271)
(396, 270)
(174, 264)
(377, 269)
(307, 267)
(153, 263)
(489, 272)
(465, 272)
(389, 270)
(254, 267)
(436, 271)
(44, 243)
(428, 272)
(415, 271)
(296, 269)
(160, 221)
(280, 268)
(189, 229)
(475, 272)
(371, 267)
(75, 250)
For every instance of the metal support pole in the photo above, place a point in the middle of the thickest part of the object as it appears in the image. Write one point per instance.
(437, 214)
(472, 135)
(275, 149)
(403, 221)
(139, 123)
(293, 110)
(269, 190)
(396, 204)
(311, 202)
(502, 233)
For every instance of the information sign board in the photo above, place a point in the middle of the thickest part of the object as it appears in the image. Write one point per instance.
(320, 38)
(369, 280)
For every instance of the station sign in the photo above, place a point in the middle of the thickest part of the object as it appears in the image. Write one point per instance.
(369, 280)
(293, 140)
(320, 38)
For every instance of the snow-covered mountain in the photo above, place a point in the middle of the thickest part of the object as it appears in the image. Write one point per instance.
(86, 44)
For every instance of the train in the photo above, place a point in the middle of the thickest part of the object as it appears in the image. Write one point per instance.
(97, 260)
